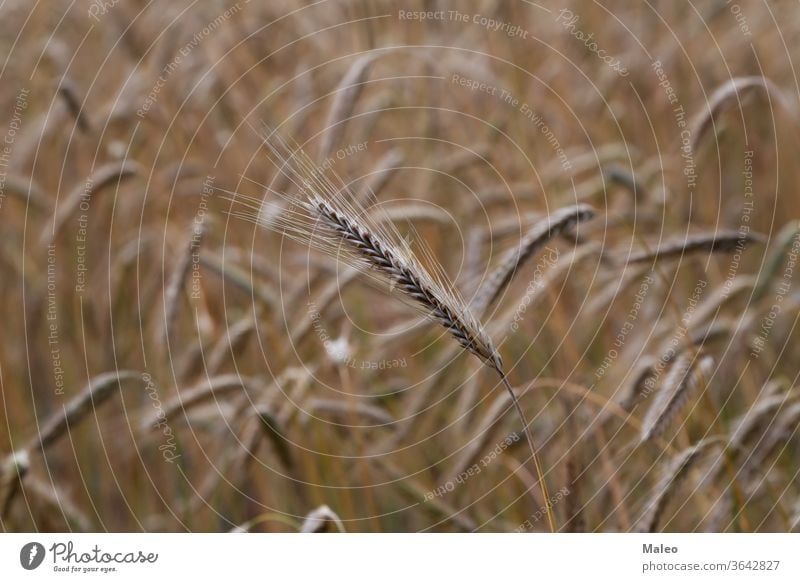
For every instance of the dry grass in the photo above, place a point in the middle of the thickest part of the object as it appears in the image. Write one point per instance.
(628, 244)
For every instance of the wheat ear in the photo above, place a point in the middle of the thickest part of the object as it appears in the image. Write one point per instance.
(672, 476)
(683, 379)
(719, 242)
(410, 280)
(731, 94)
(68, 91)
(97, 391)
(558, 222)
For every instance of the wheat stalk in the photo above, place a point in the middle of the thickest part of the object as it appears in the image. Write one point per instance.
(439, 303)
(322, 217)
(576, 520)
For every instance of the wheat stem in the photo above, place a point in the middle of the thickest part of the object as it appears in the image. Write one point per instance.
(539, 473)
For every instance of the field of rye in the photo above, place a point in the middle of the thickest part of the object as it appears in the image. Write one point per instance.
(399, 266)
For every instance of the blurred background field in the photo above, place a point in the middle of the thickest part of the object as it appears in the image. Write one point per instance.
(166, 367)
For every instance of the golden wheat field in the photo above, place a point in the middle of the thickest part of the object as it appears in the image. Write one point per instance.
(399, 266)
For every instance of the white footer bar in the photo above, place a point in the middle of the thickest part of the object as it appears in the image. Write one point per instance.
(389, 557)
